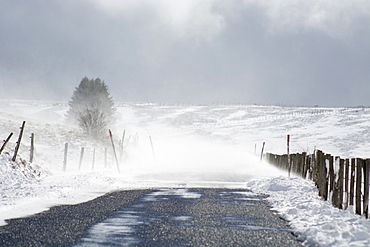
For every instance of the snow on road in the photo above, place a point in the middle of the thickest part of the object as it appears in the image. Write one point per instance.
(193, 146)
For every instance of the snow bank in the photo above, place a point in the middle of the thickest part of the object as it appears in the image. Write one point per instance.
(17, 177)
(314, 220)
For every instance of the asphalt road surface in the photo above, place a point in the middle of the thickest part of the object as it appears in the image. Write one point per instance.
(159, 217)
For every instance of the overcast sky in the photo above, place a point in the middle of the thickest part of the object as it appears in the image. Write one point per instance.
(289, 52)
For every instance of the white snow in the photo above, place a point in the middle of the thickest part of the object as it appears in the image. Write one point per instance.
(314, 220)
(182, 193)
(194, 146)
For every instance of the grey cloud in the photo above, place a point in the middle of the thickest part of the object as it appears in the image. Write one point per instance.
(230, 54)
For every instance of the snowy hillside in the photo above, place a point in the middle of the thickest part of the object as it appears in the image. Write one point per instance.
(177, 146)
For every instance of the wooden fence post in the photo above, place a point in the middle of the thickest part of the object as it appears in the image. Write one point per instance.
(114, 150)
(340, 183)
(303, 165)
(337, 199)
(5, 142)
(65, 156)
(315, 166)
(324, 177)
(335, 193)
(32, 147)
(359, 165)
(151, 143)
(123, 140)
(282, 161)
(121, 146)
(307, 166)
(312, 167)
(19, 141)
(352, 182)
(331, 175)
(296, 163)
(366, 188)
(321, 182)
(346, 183)
(292, 165)
(288, 154)
(263, 146)
(81, 158)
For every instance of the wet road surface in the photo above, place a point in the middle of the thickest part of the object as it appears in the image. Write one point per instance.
(159, 217)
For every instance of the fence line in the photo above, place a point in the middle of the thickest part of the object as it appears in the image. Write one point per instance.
(344, 182)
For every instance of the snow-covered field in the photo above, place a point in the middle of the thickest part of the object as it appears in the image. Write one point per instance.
(193, 146)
